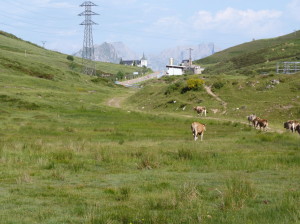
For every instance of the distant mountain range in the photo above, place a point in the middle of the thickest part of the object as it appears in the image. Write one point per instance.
(113, 52)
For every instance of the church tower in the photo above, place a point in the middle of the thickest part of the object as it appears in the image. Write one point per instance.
(144, 61)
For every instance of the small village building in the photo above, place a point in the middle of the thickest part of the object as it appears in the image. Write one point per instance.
(185, 67)
(195, 69)
(139, 63)
(175, 70)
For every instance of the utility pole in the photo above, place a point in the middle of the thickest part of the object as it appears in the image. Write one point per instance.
(190, 59)
(44, 42)
(89, 66)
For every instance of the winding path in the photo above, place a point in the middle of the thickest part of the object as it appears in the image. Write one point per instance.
(224, 104)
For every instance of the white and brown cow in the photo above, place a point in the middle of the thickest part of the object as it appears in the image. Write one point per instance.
(200, 110)
(198, 129)
(255, 121)
(291, 125)
(250, 118)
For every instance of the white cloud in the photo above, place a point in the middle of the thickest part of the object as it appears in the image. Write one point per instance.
(235, 21)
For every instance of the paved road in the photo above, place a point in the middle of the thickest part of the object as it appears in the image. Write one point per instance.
(140, 79)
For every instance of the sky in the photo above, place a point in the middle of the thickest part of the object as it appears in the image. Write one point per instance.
(149, 26)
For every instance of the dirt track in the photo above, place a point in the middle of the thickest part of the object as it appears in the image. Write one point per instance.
(140, 79)
(224, 104)
(115, 102)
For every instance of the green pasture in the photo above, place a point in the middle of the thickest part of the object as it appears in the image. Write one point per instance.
(67, 157)
(113, 166)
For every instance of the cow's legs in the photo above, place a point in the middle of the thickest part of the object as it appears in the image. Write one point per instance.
(195, 136)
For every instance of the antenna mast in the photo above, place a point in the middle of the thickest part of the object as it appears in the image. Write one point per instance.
(89, 66)
(44, 42)
(190, 59)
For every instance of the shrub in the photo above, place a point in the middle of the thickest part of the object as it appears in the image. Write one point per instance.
(70, 58)
(173, 87)
(194, 84)
(218, 85)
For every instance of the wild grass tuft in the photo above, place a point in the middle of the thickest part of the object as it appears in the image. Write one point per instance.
(237, 194)
(148, 162)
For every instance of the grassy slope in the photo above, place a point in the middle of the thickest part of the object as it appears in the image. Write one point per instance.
(65, 157)
(256, 56)
(249, 94)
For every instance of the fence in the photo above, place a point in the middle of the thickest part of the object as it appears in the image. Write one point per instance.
(288, 67)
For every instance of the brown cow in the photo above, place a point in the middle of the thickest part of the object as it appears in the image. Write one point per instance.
(262, 123)
(198, 129)
(200, 110)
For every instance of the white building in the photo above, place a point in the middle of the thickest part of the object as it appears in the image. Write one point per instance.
(182, 68)
(175, 70)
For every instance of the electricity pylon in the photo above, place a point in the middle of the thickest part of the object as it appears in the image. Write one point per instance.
(89, 66)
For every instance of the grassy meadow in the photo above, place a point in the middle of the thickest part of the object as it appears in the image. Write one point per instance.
(67, 157)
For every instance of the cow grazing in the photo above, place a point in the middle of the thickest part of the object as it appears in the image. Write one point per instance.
(250, 118)
(262, 123)
(291, 125)
(200, 110)
(198, 129)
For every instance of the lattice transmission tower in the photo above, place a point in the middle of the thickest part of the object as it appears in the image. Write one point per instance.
(89, 66)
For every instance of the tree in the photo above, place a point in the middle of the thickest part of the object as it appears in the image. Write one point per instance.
(120, 75)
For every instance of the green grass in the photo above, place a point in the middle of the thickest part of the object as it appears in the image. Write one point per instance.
(66, 157)
(156, 175)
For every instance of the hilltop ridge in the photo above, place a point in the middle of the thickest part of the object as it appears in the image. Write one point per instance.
(255, 57)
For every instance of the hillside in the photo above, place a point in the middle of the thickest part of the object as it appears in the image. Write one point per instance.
(68, 156)
(255, 57)
(275, 97)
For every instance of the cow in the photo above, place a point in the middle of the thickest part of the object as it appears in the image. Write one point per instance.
(291, 125)
(200, 110)
(298, 128)
(255, 121)
(262, 123)
(198, 129)
(250, 118)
